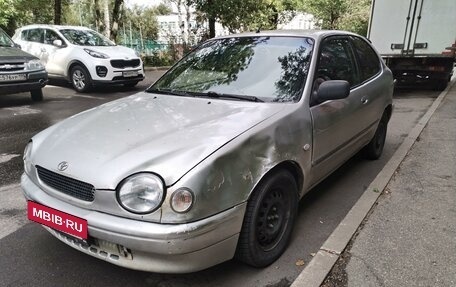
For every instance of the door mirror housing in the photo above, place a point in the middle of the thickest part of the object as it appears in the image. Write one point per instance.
(16, 45)
(57, 43)
(333, 90)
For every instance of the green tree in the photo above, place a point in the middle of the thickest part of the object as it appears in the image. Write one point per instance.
(246, 15)
(328, 12)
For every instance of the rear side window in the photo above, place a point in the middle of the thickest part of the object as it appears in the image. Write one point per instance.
(34, 35)
(336, 61)
(369, 63)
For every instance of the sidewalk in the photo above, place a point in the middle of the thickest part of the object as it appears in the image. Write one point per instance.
(410, 237)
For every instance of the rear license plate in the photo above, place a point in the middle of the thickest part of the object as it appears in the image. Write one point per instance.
(128, 74)
(57, 220)
(12, 77)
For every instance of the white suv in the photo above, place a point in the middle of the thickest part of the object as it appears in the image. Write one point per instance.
(81, 55)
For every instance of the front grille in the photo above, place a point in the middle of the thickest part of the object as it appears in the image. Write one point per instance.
(12, 67)
(121, 64)
(67, 185)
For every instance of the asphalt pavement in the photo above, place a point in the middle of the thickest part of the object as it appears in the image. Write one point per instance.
(409, 239)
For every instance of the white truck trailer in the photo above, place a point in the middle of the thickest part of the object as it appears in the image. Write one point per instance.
(416, 38)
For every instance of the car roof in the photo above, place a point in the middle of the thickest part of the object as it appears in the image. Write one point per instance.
(57, 27)
(315, 34)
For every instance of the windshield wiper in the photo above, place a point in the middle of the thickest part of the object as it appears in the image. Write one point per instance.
(169, 92)
(216, 95)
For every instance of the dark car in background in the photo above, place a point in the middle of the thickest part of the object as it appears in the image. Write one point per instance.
(20, 71)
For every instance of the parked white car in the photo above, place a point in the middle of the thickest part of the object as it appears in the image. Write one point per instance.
(81, 55)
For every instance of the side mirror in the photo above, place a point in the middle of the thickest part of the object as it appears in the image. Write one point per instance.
(333, 90)
(17, 46)
(57, 43)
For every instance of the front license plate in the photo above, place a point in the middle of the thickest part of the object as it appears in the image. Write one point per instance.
(128, 74)
(57, 220)
(12, 77)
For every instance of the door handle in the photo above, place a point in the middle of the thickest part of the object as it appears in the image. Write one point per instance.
(43, 50)
(364, 100)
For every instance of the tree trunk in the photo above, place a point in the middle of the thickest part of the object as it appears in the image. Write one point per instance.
(189, 28)
(107, 25)
(115, 19)
(211, 27)
(57, 12)
(98, 20)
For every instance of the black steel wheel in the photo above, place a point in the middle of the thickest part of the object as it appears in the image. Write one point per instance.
(375, 147)
(80, 79)
(269, 219)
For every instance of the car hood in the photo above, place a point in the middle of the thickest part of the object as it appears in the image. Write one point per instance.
(7, 54)
(115, 52)
(167, 135)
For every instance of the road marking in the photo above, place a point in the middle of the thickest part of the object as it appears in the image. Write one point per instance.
(5, 157)
(319, 267)
(25, 110)
(13, 214)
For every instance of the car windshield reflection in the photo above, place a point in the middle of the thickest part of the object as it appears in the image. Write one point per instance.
(272, 69)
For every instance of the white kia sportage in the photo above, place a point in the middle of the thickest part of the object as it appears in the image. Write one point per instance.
(81, 55)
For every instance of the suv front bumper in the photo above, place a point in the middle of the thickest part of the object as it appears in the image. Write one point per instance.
(146, 246)
(35, 81)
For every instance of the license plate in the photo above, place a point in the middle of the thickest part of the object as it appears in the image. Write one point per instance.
(128, 74)
(12, 77)
(57, 220)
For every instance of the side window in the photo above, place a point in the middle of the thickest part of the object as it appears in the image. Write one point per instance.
(369, 63)
(24, 35)
(336, 61)
(50, 36)
(35, 35)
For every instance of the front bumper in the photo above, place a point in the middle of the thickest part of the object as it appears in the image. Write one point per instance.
(35, 81)
(149, 246)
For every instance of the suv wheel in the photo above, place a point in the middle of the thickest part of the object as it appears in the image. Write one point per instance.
(37, 95)
(80, 79)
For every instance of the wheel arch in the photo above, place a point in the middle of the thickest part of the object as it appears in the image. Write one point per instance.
(72, 64)
(289, 165)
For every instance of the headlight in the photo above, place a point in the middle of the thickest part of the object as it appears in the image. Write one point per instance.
(26, 157)
(182, 200)
(34, 65)
(96, 54)
(141, 193)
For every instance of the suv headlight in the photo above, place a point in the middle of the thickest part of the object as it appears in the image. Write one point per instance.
(96, 54)
(34, 65)
(26, 157)
(141, 193)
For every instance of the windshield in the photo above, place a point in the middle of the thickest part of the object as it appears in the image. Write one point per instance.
(86, 38)
(269, 68)
(5, 41)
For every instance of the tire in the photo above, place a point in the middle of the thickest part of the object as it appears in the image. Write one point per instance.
(131, 85)
(440, 85)
(268, 221)
(80, 79)
(374, 148)
(36, 95)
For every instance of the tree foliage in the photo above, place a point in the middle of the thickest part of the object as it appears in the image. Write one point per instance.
(350, 15)
(246, 15)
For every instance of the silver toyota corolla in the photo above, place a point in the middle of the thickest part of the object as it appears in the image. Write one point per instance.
(210, 162)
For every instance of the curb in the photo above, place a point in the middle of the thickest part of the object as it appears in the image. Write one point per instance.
(319, 267)
(156, 68)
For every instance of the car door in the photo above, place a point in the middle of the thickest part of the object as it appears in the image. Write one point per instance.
(33, 41)
(51, 54)
(338, 125)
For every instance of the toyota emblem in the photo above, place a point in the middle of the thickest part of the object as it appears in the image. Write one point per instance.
(62, 166)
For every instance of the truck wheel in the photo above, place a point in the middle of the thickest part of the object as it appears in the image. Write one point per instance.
(374, 148)
(80, 79)
(269, 219)
(37, 95)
